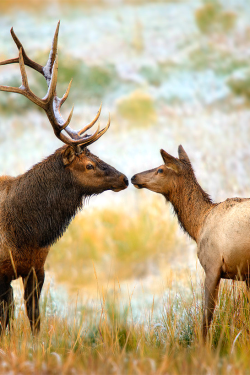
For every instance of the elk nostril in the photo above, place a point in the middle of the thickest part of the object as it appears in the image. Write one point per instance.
(133, 178)
(126, 181)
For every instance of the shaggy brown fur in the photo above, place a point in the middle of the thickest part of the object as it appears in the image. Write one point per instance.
(36, 208)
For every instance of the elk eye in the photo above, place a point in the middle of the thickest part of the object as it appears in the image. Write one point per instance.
(89, 166)
(160, 170)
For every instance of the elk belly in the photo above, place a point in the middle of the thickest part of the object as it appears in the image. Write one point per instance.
(235, 244)
(236, 261)
(225, 238)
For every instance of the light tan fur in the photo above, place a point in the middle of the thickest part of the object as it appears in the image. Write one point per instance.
(221, 230)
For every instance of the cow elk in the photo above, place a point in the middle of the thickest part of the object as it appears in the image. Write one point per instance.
(221, 230)
(37, 206)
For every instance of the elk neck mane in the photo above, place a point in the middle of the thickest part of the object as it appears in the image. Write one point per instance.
(41, 203)
(190, 202)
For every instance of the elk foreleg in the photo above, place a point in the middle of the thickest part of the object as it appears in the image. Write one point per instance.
(211, 293)
(33, 284)
(6, 304)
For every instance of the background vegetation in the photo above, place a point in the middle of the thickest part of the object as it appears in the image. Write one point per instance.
(123, 289)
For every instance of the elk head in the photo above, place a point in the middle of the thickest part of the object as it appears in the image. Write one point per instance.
(92, 173)
(87, 169)
(166, 177)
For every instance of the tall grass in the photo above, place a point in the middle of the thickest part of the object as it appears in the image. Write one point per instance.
(106, 339)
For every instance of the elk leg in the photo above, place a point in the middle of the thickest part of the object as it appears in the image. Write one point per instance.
(6, 304)
(211, 294)
(248, 288)
(33, 284)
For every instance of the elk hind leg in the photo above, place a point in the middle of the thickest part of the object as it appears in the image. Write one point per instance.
(211, 294)
(248, 288)
(33, 284)
(6, 304)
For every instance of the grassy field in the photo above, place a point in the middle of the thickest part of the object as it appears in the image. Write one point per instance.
(118, 242)
(106, 339)
(124, 290)
(126, 309)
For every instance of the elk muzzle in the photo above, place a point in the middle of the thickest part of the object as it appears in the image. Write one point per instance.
(122, 184)
(136, 181)
(146, 179)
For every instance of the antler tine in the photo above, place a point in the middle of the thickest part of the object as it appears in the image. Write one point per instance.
(53, 81)
(68, 119)
(10, 61)
(48, 68)
(11, 89)
(83, 140)
(66, 94)
(51, 103)
(22, 69)
(104, 129)
(32, 64)
(83, 130)
(88, 141)
(46, 71)
(24, 88)
(98, 135)
(74, 134)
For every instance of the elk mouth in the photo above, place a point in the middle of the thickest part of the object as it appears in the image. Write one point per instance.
(138, 186)
(116, 190)
(124, 186)
(135, 183)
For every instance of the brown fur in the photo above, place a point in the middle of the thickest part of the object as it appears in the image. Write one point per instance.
(221, 230)
(36, 208)
(190, 201)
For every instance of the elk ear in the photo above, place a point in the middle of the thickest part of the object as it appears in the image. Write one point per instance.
(170, 161)
(182, 154)
(68, 155)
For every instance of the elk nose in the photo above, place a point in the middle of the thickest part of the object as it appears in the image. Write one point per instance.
(132, 179)
(125, 180)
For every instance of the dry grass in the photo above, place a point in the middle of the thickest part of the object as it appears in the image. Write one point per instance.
(105, 337)
(106, 340)
(117, 241)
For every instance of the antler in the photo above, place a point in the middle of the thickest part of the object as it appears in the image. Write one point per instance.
(51, 103)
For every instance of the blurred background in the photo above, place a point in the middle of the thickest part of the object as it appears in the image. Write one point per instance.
(169, 73)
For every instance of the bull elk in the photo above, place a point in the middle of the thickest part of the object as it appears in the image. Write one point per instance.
(37, 206)
(221, 230)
